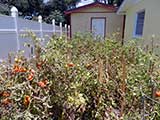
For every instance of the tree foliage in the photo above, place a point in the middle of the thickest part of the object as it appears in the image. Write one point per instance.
(26, 7)
(111, 2)
(4, 9)
(38, 7)
(58, 6)
(57, 15)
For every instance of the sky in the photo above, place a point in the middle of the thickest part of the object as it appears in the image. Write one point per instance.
(45, 1)
(83, 2)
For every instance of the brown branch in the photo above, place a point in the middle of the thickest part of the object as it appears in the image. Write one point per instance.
(123, 84)
(100, 70)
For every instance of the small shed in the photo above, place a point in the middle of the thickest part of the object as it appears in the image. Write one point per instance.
(98, 18)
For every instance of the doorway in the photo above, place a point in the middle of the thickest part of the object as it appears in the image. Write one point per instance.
(98, 26)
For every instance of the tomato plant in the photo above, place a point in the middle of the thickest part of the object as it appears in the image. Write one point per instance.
(78, 79)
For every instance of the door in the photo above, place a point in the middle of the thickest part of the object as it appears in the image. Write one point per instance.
(98, 26)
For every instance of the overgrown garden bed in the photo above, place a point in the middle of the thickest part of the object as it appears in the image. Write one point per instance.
(81, 79)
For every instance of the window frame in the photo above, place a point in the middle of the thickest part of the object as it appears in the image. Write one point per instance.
(135, 24)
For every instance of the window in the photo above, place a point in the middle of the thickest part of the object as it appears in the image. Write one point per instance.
(139, 24)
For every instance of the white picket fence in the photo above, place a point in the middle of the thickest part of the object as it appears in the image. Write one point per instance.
(12, 27)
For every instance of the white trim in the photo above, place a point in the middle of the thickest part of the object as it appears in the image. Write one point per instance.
(134, 28)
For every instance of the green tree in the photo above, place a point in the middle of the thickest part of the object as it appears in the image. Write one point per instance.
(57, 15)
(54, 9)
(110, 2)
(26, 7)
(59, 5)
(36, 5)
(4, 9)
(72, 3)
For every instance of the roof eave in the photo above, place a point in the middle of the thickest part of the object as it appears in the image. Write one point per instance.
(121, 13)
(122, 8)
(125, 6)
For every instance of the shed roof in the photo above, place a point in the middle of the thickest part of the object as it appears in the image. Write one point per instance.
(95, 4)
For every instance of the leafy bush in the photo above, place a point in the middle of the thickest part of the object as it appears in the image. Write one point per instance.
(78, 79)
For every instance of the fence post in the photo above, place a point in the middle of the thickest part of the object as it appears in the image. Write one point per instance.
(65, 29)
(54, 26)
(69, 31)
(61, 31)
(40, 22)
(14, 14)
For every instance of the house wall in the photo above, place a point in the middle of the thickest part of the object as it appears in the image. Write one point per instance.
(151, 22)
(81, 21)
